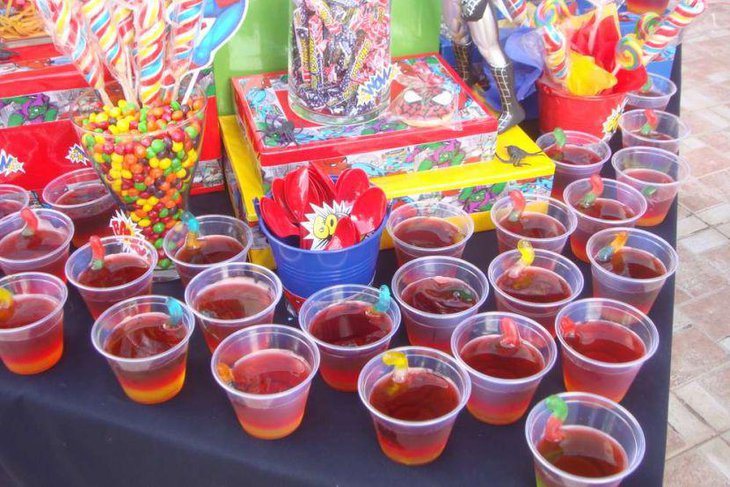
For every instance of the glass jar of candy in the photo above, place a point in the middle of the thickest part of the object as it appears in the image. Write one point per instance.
(339, 60)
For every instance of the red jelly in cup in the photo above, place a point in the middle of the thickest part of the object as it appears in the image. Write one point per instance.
(145, 341)
(124, 271)
(414, 413)
(31, 322)
(350, 328)
(266, 371)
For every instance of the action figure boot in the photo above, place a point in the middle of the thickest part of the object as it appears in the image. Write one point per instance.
(512, 112)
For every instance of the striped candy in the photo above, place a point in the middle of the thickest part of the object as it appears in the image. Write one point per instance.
(556, 53)
(628, 52)
(187, 17)
(107, 35)
(150, 45)
(669, 29)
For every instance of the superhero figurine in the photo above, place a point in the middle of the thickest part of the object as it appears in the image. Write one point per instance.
(228, 15)
(477, 19)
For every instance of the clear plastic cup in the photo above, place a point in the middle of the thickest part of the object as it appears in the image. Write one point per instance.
(586, 374)
(536, 207)
(566, 173)
(639, 293)
(341, 365)
(82, 196)
(656, 98)
(37, 345)
(656, 173)
(588, 225)
(430, 329)
(146, 380)
(54, 261)
(238, 274)
(543, 313)
(12, 199)
(496, 400)
(267, 416)
(414, 442)
(670, 129)
(438, 213)
(586, 413)
(210, 226)
(116, 249)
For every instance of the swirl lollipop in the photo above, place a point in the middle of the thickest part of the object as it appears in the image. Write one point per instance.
(550, 11)
(628, 54)
(647, 25)
(556, 53)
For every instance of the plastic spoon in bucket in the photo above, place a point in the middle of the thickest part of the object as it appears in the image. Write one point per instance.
(554, 427)
(351, 184)
(324, 182)
(369, 210)
(277, 192)
(296, 186)
(518, 205)
(346, 235)
(651, 122)
(277, 220)
(594, 193)
(399, 362)
(7, 304)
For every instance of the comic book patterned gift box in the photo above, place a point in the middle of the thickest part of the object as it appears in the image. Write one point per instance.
(474, 187)
(37, 141)
(461, 130)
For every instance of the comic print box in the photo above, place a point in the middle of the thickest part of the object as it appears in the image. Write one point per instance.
(381, 147)
(474, 187)
(37, 140)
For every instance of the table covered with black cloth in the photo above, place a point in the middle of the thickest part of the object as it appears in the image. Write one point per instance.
(73, 425)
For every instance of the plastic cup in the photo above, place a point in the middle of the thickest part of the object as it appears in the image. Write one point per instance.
(12, 199)
(588, 225)
(656, 173)
(99, 299)
(37, 346)
(497, 400)
(507, 240)
(341, 365)
(146, 380)
(267, 416)
(607, 379)
(209, 225)
(232, 273)
(54, 261)
(543, 313)
(639, 293)
(414, 442)
(567, 173)
(92, 216)
(586, 411)
(657, 98)
(430, 329)
(405, 251)
(669, 126)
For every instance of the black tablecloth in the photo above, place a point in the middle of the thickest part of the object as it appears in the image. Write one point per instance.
(73, 426)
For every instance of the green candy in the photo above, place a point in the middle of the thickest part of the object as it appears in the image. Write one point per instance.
(167, 171)
(178, 215)
(140, 186)
(181, 155)
(176, 166)
(106, 157)
(164, 213)
(159, 242)
(142, 127)
(191, 131)
(157, 146)
(129, 199)
(175, 105)
(164, 263)
(143, 114)
(158, 227)
(151, 153)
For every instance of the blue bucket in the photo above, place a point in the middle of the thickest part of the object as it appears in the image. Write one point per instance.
(304, 272)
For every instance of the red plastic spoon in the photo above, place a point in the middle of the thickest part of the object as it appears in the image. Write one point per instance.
(346, 235)
(277, 191)
(369, 210)
(296, 186)
(323, 181)
(276, 219)
(351, 184)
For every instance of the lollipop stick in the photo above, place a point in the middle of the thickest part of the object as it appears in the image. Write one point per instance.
(191, 85)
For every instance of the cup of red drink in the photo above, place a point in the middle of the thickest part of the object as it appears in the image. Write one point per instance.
(266, 371)
(31, 321)
(349, 329)
(598, 444)
(228, 297)
(414, 415)
(504, 371)
(435, 294)
(126, 272)
(545, 222)
(46, 250)
(145, 341)
(582, 156)
(656, 173)
(425, 228)
(620, 205)
(634, 274)
(539, 290)
(655, 96)
(83, 197)
(12, 199)
(221, 239)
(667, 134)
(605, 343)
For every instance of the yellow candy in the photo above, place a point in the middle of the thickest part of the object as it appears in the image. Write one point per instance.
(127, 174)
(102, 117)
(177, 146)
(141, 202)
(117, 186)
(123, 126)
(98, 159)
(115, 173)
(113, 129)
(187, 164)
(116, 164)
(134, 217)
(165, 163)
(122, 103)
(92, 118)
(147, 208)
(154, 162)
(116, 158)
(181, 173)
(125, 193)
(527, 253)
(144, 222)
(152, 201)
(193, 155)
(99, 139)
